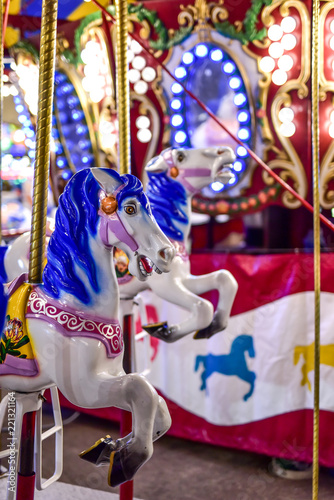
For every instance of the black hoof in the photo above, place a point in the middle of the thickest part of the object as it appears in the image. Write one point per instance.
(99, 453)
(207, 332)
(116, 475)
(158, 330)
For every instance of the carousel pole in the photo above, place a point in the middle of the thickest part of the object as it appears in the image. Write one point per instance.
(124, 166)
(26, 473)
(316, 234)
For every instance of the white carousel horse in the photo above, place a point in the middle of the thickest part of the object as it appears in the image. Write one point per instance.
(173, 178)
(66, 332)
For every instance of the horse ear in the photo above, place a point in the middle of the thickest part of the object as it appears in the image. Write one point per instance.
(109, 180)
(156, 165)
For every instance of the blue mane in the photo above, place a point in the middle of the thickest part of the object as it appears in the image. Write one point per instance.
(76, 221)
(168, 200)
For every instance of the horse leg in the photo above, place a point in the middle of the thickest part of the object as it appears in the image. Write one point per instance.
(177, 293)
(251, 379)
(224, 282)
(150, 421)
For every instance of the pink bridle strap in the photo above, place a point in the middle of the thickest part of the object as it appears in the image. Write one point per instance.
(185, 172)
(116, 226)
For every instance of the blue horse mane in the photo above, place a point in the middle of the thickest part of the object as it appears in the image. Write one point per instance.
(76, 221)
(168, 200)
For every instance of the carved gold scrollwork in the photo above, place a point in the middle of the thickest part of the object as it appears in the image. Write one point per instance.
(327, 163)
(198, 16)
(288, 161)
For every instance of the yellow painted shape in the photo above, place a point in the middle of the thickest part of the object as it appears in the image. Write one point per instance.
(16, 308)
(12, 36)
(85, 9)
(307, 352)
(14, 7)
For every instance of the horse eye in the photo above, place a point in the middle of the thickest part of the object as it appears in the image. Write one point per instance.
(180, 157)
(130, 209)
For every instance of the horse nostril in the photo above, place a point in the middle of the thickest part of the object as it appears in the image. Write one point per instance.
(166, 254)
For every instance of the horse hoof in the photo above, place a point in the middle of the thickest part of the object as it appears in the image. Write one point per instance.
(123, 465)
(207, 332)
(158, 330)
(116, 474)
(100, 452)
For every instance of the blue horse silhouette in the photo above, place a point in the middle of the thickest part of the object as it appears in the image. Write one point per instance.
(233, 363)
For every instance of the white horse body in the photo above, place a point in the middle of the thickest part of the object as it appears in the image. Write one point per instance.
(80, 364)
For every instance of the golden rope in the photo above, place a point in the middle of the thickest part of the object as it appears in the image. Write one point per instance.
(316, 240)
(41, 177)
(123, 94)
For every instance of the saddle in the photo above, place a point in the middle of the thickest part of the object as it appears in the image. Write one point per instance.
(16, 351)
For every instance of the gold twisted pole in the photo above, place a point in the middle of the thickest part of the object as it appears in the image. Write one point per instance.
(122, 86)
(316, 240)
(41, 177)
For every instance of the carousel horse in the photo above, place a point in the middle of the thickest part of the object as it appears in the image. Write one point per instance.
(173, 178)
(66, 332)
(306, 352)
(233, 363)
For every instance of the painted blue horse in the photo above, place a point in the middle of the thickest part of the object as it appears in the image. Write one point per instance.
(233, 363)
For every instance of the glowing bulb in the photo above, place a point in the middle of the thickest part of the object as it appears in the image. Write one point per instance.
(289, 24)
(332, 116)
(238, 165)
(201, 50)
(331, 26)
(19, 135)
(187, 58)
(289, 42)
(244, 134)
(275, 33)
(176, 88)
(140, 87)
(96, 95)
(233, 179)
(267, 64)
(229, 67)
(143, 122)
(276, 49)
(331, 130)
(239, 99)
(133, 75)
(144, 135)
(180, 72)
(139, 63)
(136, 47)
(286, 115)
(235, 83)
(148, 74)
(177, 120)
(287, 129)
(279, 77)
(285, 63)
(176, 104)
(180, 137)
(217, 186)
(241, 151)
(243, 117)
(130, 56)
(216, 55)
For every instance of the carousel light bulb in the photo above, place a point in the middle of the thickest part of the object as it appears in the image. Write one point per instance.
(176, 104)
(331, 43)
(239, 165)
(287, 129)
(88, 83)
(275, 33)
(331, 130)
(177, 120)
(136, 47)
(13, 65)
(216, 55)
(96, 95)
(332, 116)
(201, 50)
(130, 56)
(133, 75)
(289, 42)
(233, 180)
(144, 135)
(229, 67)
(276, 49)
(148, 74)
(143, 121)
(267, 64)
(235, 83)
(140, 87)
(176, 88)
(5, 78)
(217, 186)
(180, 137)
(241, 151)
(288, 24)
(239, 99)
(279, 77)
(180, 72)
(244, 134)
(286, 115)
(139, 63)
(243, 116)
(19, 135)
(285, 63)
(188, 58)
(19, 108)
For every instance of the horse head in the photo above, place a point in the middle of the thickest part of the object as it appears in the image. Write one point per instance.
(194, 168)
(244, 343)
(127, 222)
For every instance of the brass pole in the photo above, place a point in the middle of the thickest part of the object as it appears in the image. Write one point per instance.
(41, 177)
(122, 87)
(316, 240)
